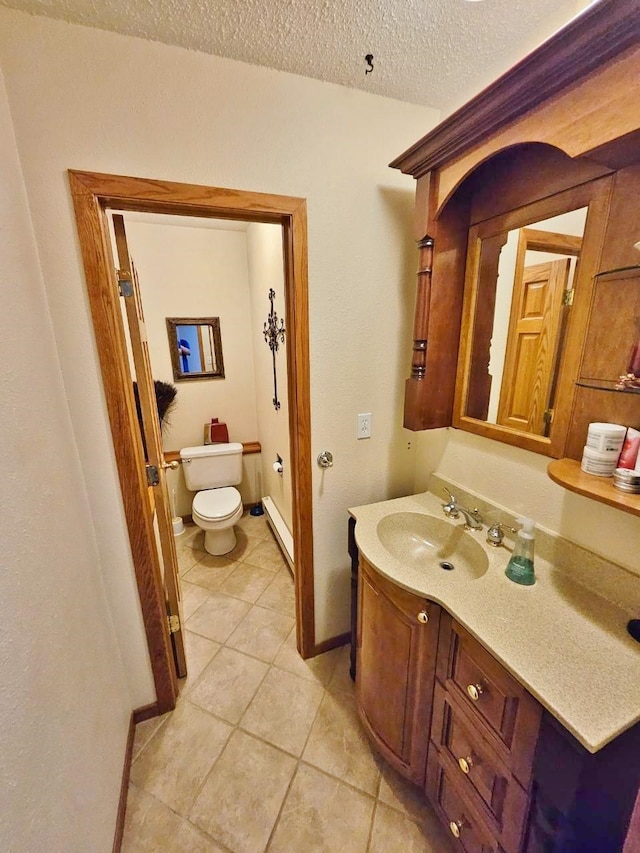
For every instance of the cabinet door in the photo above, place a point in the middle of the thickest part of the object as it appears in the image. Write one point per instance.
(396, 646)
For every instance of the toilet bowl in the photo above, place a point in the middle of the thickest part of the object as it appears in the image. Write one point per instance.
(216, 511)
(212, 471)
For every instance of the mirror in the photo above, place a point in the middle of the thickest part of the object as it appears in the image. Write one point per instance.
(525, 288)
(195, 345)
(522, 271)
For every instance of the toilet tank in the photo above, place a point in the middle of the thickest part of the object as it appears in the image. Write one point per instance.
(212, 466)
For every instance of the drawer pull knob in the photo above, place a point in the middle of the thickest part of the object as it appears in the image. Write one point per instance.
(466, 764)
(455, 827)
(475, 691)
(423, 617)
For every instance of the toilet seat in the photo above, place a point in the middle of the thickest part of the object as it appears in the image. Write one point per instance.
(217, 504)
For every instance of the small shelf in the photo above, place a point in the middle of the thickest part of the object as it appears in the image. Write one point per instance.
(568, 474)
(605, 385)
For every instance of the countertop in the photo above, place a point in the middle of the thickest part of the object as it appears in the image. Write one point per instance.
(566, 644)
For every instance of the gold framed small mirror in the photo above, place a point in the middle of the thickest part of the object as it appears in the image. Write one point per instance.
(195, 345)
(520, 342)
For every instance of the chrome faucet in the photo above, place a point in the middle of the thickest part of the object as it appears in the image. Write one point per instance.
(452, 509)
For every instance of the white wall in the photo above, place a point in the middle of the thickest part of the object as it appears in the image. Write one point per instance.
(187, 268)
(64, 704)
(266, 270)
(188, 271)
(87, 99)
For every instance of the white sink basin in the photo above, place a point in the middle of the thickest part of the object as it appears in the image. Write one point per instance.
(432, 544)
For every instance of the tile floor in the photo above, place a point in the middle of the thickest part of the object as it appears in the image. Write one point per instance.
(264, 751)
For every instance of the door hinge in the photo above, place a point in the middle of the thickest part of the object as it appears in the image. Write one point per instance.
(548, 416)
(174, 624)
(153, 477)
(567, 297)
(125, 283)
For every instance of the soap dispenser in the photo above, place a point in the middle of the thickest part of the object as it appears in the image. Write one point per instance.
(520, 566)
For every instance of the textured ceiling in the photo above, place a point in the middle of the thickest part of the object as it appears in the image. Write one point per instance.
(432, 52)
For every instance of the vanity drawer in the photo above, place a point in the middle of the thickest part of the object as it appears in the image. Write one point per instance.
(456, 808)
(479, 767)
(490, 694)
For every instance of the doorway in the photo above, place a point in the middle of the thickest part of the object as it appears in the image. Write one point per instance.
(93, 195)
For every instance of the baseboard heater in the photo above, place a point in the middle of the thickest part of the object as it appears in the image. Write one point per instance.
(280, 531)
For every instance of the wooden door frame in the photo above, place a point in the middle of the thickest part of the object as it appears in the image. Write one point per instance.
(93, 193)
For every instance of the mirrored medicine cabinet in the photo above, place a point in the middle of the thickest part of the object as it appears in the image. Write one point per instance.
(518, 346)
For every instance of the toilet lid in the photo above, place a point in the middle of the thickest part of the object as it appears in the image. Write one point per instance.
(217, 504)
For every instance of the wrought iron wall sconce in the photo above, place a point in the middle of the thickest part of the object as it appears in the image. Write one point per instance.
(274, 335)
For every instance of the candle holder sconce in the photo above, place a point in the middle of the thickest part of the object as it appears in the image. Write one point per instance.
(274, 335)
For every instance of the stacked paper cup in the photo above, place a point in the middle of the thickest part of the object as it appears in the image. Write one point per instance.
(601, 452)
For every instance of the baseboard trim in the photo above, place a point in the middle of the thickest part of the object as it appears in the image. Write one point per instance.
(124, 786)
(145, 713)
(137, 716)
(331, 643)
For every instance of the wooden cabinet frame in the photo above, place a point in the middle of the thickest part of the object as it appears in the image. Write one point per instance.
(576, 94)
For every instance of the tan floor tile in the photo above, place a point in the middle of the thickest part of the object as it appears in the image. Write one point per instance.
(240, 800)
(144, 732)
(318, 669)
(210, 572)
(393, 832)
(254, 525)
(322, 815)
(338, 744)
(398, 792)
(218, 616)
(267, 556)
(174, 763)
(193, 537)
(199, 652)
(280, 595)
(245, 544)
(192, 597)
(261, 633)
(341, 679)
(187, 558)
(150, 827)
(247, 582)
(228, 684)
(283, 710)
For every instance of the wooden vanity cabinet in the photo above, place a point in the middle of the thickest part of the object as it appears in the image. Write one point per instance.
(397, 639)
(502, 774)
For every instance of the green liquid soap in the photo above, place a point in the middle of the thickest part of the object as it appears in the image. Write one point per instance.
(520, 570)
(520, 566)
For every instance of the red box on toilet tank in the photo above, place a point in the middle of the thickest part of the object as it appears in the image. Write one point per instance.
(216, 432)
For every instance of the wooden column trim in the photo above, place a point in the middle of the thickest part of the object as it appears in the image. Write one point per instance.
(423, 295)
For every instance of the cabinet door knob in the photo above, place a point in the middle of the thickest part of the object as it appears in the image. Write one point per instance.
(475, 691)
(466, 764)
(455, 827)
(423, 617)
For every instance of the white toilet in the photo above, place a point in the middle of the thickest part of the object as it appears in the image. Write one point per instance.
(212, 470)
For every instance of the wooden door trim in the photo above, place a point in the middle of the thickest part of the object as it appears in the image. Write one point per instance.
(92, 194)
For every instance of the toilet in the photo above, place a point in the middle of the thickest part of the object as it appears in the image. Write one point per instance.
(212, 471)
